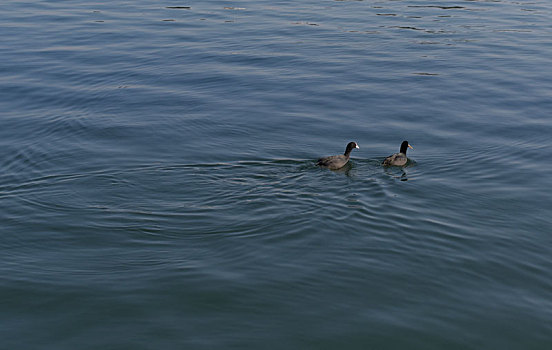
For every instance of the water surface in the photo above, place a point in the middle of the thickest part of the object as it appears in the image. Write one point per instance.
(158, 184)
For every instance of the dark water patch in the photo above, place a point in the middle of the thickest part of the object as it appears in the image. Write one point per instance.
(306, 23)
(406, 27)
(437, 6)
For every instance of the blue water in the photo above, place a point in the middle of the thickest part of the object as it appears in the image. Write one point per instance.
(158, 186)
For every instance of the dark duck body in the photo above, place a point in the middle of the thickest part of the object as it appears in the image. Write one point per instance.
(398, 159)
(336, 162)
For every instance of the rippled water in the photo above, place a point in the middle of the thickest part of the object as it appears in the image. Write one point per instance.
(158, 184)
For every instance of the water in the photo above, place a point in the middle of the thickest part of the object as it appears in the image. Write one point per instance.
(158, 185)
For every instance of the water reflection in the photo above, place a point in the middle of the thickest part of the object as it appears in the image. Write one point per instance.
(400, 173)
(396, 173)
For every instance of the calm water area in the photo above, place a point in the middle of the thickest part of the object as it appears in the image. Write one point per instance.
(159, 187)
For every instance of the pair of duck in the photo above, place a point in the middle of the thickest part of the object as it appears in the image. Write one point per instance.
(339, 161)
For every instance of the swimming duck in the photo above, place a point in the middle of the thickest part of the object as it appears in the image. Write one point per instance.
(336, 162)
(398, 159)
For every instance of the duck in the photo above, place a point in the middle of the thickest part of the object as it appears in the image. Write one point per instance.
(336, 162)
(398, 159)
